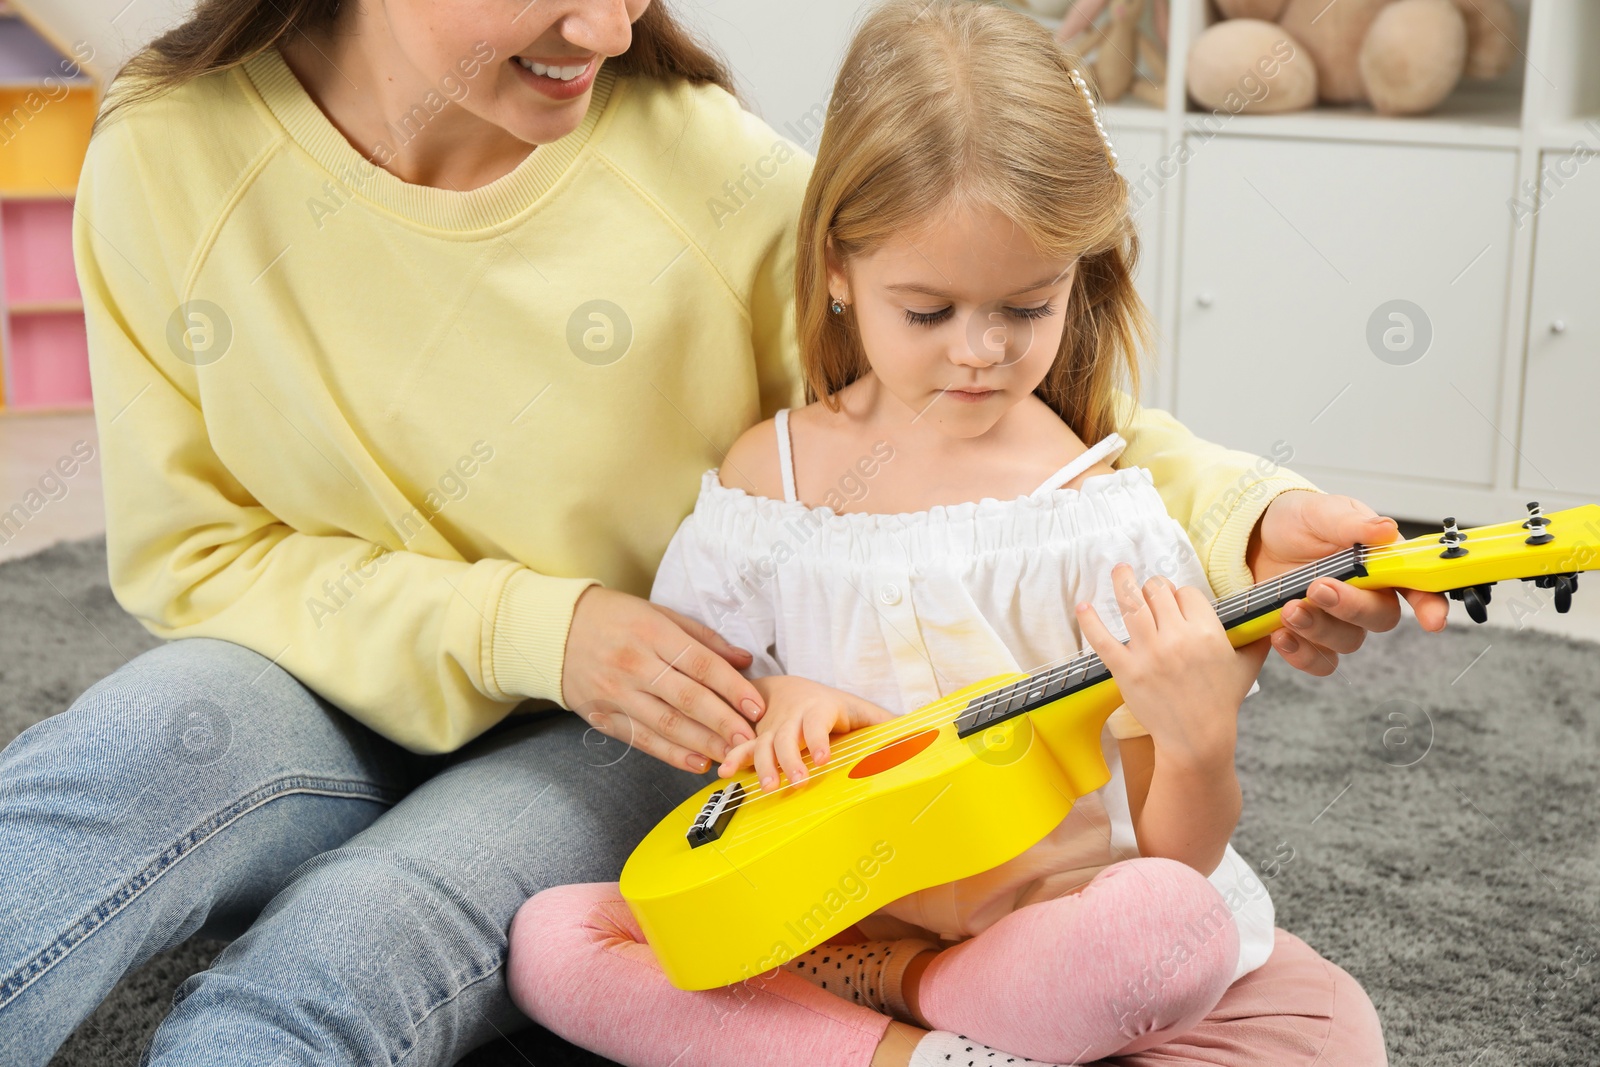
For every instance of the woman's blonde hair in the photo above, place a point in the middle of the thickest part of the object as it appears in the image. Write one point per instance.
(942, 102)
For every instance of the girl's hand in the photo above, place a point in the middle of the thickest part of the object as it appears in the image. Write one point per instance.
(1178, 674)
(658, 680)
(798, 709)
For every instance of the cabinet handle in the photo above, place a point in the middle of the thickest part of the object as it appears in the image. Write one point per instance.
(1559, 326)
(1205, 300)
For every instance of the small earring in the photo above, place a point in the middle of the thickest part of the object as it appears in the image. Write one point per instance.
(836, 307)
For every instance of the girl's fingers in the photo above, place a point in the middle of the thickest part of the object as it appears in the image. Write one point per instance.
(1109, 649)
(816, 728)
(787, 745)
(1131, 600)
(766, 766)
(738, 758)
(1193, 603)
(865, 712)
(1160, 596)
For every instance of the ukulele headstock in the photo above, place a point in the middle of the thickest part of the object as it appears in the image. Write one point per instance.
(1547, 550)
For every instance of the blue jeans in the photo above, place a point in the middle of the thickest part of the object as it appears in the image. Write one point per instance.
(200, 789)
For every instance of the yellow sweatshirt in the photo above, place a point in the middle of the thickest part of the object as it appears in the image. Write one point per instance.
(385, 434)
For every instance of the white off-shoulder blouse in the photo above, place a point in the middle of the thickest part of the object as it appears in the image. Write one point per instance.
(903, 609)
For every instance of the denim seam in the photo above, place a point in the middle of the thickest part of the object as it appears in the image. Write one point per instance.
(472, 980)
(25, 975)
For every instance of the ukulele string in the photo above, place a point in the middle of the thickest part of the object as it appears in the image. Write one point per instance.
(936, 714)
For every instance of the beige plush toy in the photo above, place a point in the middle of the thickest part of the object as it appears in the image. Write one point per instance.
(1401, 56)
(1124, 57)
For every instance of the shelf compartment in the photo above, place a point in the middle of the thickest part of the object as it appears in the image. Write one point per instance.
(47, 360)
(27, 59)
(36, 237)
(1472, 117)
(43, 140)
(1476, 114)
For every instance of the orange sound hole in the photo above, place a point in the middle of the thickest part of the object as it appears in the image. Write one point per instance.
(892, 755)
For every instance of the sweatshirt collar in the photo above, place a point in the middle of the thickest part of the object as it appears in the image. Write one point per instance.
(487, 206)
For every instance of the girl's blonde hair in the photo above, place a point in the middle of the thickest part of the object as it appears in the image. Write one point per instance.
(941, 102)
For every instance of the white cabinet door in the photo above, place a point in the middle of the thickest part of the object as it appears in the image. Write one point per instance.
(1560, 421)
(1139, 162)
(1348, 300)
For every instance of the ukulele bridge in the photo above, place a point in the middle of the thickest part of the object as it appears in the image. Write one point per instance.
(714, 815)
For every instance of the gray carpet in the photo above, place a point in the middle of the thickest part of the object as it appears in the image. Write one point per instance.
(1426, 818)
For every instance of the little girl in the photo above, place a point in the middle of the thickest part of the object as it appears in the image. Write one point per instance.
(945, 509)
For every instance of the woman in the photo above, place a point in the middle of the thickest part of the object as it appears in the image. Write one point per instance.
(412, 326)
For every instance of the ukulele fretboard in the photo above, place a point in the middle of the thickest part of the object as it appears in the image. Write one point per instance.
(1086, 669)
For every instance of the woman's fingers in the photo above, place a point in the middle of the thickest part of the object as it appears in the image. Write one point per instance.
(1431, 609)
(707, 636)
(1303, 655)
(1332, 620)
(678, 681)
(1377, 610)
(620, 725)
(690, 648)
(655, 717)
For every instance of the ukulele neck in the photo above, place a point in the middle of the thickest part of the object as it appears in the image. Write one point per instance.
(1086, 670)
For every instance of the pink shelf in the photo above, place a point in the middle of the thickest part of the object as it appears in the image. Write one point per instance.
(49, 358)
(37, 238)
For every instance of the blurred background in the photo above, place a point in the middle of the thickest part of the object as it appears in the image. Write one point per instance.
(1404, 285)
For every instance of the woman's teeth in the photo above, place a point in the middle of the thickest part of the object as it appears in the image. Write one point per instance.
(564, 74)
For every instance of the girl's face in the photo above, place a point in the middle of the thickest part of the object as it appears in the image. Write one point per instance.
(961, 321)
(470, 51)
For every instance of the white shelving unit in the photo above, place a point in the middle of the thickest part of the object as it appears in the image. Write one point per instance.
(1272, 241)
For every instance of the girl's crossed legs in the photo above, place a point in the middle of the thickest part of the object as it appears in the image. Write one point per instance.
(1133, 970)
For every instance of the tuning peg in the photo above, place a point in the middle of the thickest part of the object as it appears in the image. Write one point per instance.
(1566, 585)
(1476, 598)
(1452, 539)
(1536, 522)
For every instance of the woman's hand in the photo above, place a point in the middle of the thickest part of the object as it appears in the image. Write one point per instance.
(1333, 618)
(798, 709)
(662, 682)
(1178, 674)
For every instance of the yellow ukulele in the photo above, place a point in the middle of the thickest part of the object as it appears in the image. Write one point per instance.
(739, 880)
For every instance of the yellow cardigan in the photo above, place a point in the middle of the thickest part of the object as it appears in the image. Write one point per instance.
(384, 434)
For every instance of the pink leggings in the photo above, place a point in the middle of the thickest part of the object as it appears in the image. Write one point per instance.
(1134, 967)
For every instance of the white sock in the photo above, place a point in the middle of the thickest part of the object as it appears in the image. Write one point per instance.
(868, 973)
(941, 1048)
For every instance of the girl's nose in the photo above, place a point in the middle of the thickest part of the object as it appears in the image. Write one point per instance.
(992, 339)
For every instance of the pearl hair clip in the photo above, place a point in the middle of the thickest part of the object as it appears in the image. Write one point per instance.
(1083, 87)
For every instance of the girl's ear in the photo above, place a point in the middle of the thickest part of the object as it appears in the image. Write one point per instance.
(838, 279)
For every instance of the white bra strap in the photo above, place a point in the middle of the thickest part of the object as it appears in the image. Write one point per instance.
(1108, 448)
(785, 455)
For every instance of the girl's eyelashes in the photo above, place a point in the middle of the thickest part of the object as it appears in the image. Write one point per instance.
(926, 318)
(930, 318)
